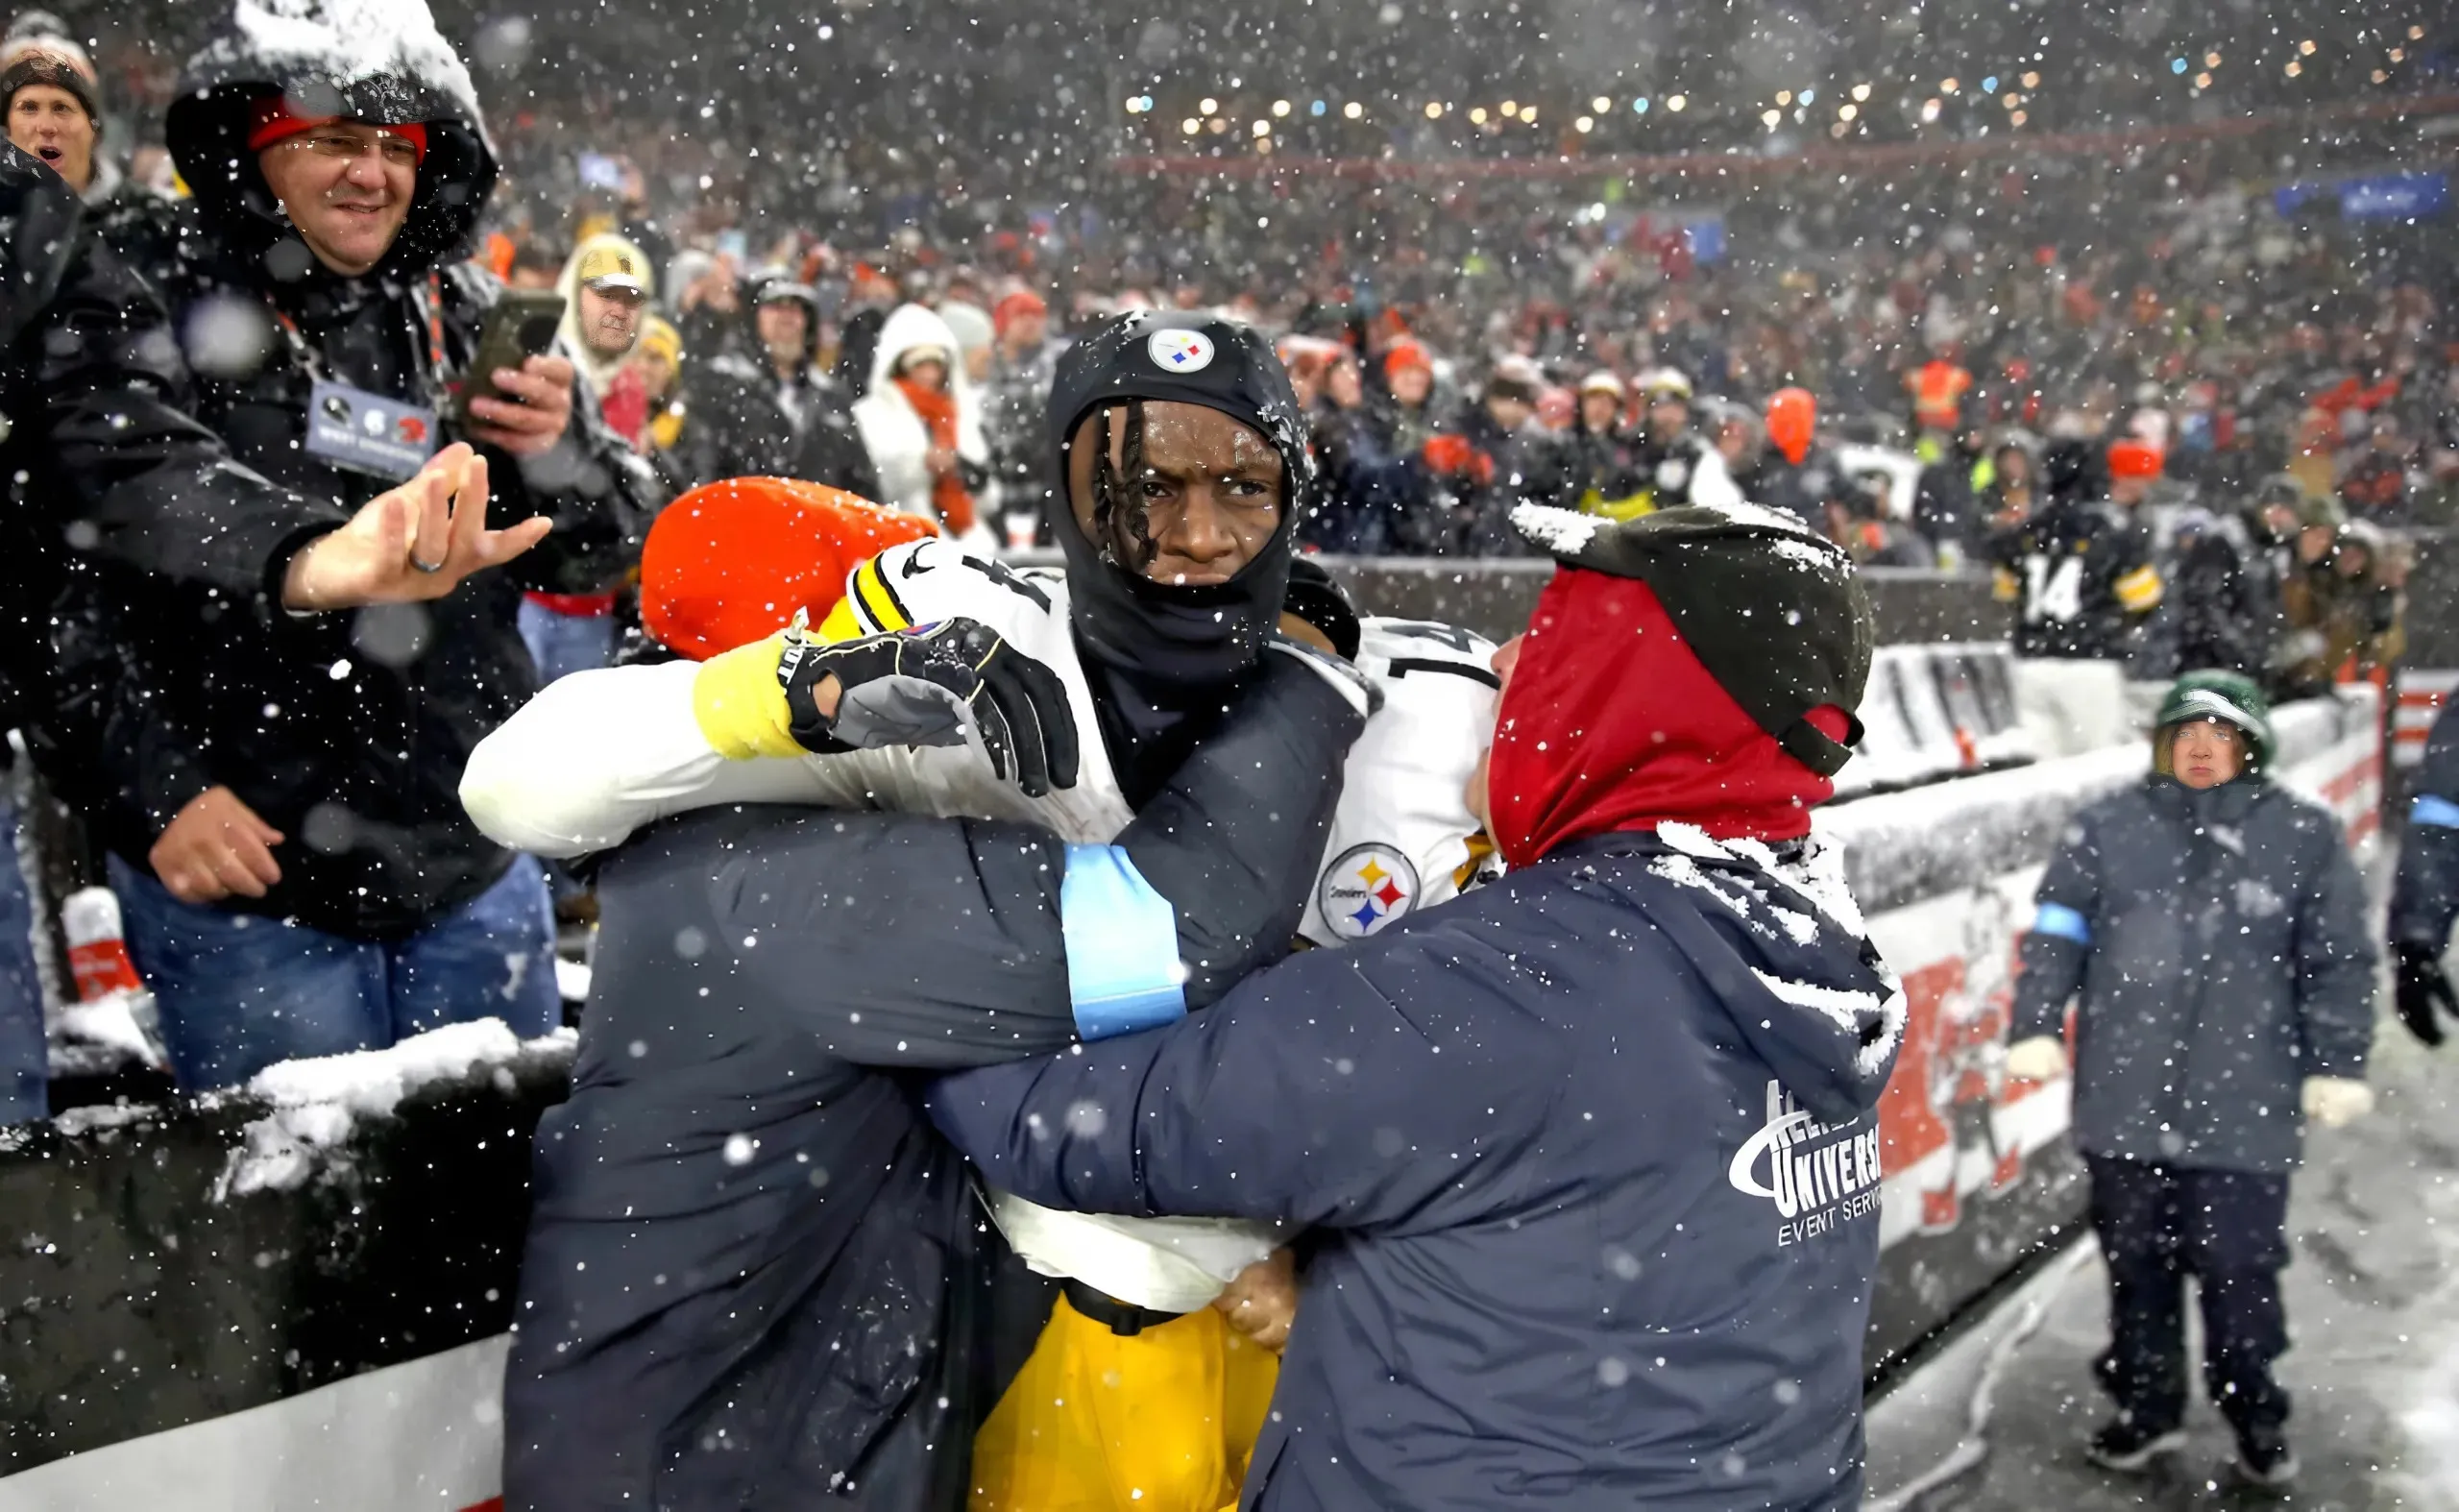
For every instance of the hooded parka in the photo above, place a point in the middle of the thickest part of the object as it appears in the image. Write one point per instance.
(348, 732)
(1592, 1153)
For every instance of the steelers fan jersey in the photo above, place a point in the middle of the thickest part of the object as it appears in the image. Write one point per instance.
(2080, 577)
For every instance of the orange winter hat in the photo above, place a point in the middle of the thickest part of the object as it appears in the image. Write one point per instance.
(2134, 457)
(731, 561)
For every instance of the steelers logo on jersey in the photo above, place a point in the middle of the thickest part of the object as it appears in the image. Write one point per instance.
(1370, 886)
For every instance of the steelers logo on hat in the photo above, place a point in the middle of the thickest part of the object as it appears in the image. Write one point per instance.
(1181, 351)
(1369, 887)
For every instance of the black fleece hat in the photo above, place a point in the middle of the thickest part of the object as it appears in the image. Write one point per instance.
(1775, 613)
(48, 69)
(1164, 633)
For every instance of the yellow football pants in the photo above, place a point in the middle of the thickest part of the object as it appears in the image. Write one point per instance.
(1162, 1422)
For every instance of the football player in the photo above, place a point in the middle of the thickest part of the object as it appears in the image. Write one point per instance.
(1183, 454)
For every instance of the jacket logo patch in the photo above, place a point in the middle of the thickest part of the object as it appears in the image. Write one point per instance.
(1181, 351)
(1819, 1177)
(1370, 886)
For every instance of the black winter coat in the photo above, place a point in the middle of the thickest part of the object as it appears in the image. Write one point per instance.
(724, 428)
(1595, 1156)
(2215, 944)
(756, 1277)
(113, 472)
(348, 732)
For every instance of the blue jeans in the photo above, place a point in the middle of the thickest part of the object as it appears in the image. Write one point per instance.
(564, 644)
(25, 1063)
(240, 991)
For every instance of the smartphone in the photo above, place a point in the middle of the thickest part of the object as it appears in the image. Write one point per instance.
(521, 323)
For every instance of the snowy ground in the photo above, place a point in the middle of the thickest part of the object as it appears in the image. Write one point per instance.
(2374, 1310)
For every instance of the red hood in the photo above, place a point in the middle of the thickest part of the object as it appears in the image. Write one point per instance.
(1611, 723)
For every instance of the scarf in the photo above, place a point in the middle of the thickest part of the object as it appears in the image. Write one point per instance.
(938, 408)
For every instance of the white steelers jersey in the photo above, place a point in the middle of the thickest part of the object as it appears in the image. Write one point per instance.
(1400, 840)
(599, 755)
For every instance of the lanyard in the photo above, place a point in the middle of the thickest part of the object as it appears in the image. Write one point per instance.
(430, 301)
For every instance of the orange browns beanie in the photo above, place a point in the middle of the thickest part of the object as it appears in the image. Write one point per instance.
(730, 562)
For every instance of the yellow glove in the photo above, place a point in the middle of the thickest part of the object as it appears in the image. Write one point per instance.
(2040, 1059)
(2336, 1101)
(740, 704)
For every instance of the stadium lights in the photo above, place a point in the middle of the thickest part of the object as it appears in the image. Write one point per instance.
(1208, 105)
(1281, 107)
(1860, 92)
(2295, 68)
(1263, 128)
(2306, 49)
(1600, 105)
(2032, 81)
(2379, 77)
(1476, 115)
(1837, 129)
(1639, 105)
(2202, 81)
(1989, 85)
(1190, 126)
(1511, 107)
(1217, 125)
(1352, 111)
(2017, 119)
(1783, 97)
(2013, 101)
(1847, 111)
(2398, 55)
(2177, 65)
(1316, 109)
(1930, 107)
(1810, 96)
(1948, 87)
(1584, 125)
(2416, 34)
(2211, 59)
(1528, 113)
(1769, 118)
(1434, 110)
(1675, 103)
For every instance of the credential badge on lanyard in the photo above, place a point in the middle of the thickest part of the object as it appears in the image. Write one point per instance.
(352, 428)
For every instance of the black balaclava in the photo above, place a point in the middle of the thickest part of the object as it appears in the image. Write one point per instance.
(1157, 653)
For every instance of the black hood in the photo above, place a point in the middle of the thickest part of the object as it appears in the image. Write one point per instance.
(1157, 636)
(318, 53)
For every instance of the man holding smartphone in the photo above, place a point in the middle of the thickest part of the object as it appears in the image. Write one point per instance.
(278, 793)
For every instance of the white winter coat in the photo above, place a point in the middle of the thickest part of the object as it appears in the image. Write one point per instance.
(894, 434)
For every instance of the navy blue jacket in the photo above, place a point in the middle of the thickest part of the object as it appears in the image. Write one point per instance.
(2426, 895)
(755, 1278)
(2216, 947)
(1594, 1159)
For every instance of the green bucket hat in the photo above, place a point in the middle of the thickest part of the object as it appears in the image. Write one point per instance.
(2229, 697)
